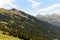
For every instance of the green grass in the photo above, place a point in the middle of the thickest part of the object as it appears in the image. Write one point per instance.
(7, 37)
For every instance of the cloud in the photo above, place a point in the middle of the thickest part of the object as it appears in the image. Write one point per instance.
(34, 3)
(7, 4)
(54, 6)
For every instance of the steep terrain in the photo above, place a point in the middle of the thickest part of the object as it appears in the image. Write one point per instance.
(20, 24)
(53, 19)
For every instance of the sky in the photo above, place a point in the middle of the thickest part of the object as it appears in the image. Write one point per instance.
(33, 7)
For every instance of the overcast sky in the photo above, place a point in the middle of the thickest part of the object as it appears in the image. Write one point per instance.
(33, 7)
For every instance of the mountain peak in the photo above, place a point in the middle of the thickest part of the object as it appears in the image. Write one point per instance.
(14, 9)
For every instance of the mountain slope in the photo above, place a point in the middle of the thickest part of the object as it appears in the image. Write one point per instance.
(53, 19)
(22, 25)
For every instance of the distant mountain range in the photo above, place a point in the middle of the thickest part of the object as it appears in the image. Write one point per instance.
(53, 19)
(20, 24)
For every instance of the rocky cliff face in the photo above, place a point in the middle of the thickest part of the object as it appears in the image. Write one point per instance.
(53, 19)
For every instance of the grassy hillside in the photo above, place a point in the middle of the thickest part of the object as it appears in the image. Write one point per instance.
(20, 24)
(7, 37)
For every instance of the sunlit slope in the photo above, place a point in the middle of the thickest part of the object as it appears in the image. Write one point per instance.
(7, 37)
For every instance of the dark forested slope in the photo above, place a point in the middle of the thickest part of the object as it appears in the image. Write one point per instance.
(20, 24)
